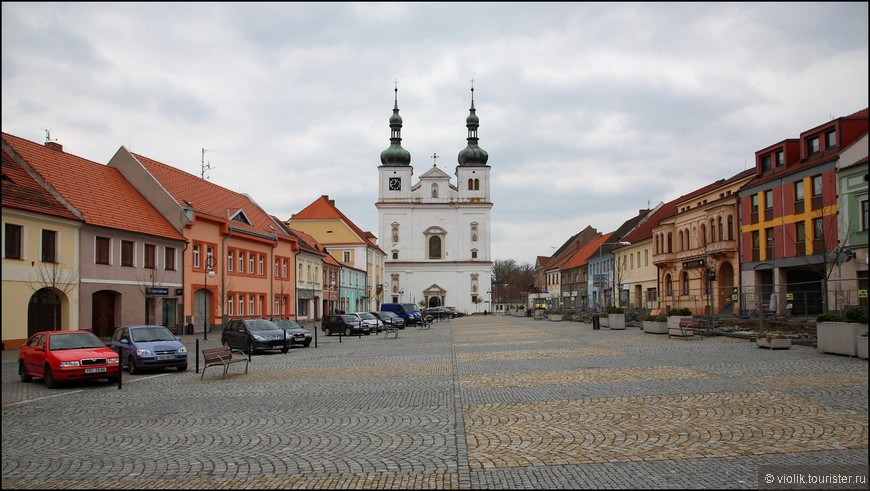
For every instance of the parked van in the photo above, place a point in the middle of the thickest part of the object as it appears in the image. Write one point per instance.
(407, 311)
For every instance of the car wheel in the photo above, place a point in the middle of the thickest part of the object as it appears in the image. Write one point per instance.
(131, 364)
(306, 344)
(50, 382)
(114, 379)
(25, 377)
(285, 350)
(182, 368)
(347, 332)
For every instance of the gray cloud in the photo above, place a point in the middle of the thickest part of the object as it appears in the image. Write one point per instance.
(589, 111)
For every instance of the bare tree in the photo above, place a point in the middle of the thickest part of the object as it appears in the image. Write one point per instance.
(824, 259)
(148, 281)
(56, 278)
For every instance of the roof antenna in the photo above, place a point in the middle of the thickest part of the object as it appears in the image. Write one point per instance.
(205, 165)
(47, 135)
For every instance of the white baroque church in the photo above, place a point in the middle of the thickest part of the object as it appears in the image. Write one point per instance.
(436, 233)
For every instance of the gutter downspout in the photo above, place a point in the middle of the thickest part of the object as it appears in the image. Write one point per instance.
(272, 275)
(222, 290)
(296, 284)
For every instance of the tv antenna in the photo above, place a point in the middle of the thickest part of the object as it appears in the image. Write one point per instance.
(47, 135)
(205, 165)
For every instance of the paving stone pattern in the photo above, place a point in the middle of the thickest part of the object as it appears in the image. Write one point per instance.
(479, 402)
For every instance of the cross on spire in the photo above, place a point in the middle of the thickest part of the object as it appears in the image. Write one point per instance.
(434, 159)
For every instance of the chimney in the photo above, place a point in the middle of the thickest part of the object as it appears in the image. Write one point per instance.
(54, 146)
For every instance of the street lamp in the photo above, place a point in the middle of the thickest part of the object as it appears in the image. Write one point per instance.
(401, 292)
(207, 273)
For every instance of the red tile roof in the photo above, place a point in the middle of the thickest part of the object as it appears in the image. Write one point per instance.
(582, 256)
(324, 208)
(21, 191)
(190, 191)
(98, 191)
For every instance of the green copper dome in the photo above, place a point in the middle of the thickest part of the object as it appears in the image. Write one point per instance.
(395, 155)
(472, 155)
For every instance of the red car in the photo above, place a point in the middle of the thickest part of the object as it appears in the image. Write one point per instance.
(60, 356)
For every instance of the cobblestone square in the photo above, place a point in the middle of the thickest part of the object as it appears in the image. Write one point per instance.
(479, 402)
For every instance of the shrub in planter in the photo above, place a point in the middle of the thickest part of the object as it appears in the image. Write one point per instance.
(615, 310)
(855, 314)
(654, 318)
(679, 312)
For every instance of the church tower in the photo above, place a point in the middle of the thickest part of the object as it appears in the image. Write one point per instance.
(436, 233)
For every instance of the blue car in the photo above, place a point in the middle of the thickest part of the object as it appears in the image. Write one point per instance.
(149, 347)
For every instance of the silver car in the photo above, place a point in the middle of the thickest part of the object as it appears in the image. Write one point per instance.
(369, 320)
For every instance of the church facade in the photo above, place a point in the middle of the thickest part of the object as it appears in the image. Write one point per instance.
(436, 232)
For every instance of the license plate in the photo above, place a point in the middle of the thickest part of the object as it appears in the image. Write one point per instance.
(95, 370)
(165, 357)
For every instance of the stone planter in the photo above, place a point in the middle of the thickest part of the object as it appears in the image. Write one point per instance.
(616, 321)
(862, 347)
(655, 327)
(603, 321)
(774, 343)
(674, 320)
(554, 317)
(839, 338)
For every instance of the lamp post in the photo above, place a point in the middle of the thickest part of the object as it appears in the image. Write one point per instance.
(401, 292)
(489, 296)
(207, 272)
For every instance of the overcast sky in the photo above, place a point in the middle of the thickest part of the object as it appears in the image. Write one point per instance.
(589, 112)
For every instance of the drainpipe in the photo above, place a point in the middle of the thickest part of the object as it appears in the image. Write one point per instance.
(296, 284)
(222, 290)
(272, 274)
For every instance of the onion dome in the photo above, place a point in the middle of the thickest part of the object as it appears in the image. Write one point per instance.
(472, 155)
(395, 155)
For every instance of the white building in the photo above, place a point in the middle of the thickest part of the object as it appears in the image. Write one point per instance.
(436, 233)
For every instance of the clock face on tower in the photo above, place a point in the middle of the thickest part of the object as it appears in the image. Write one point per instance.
(395, 184)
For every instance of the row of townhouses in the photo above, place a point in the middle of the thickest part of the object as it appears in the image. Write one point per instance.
(789, 236)
(135, 241)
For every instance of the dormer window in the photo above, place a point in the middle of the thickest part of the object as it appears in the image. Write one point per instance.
(830, 139)
(813, 145)
(240, 217)
(780, 158)
(765, 163)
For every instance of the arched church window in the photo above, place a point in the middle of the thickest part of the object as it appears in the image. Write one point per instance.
(395, 233)
(435, 247)
(471, 184)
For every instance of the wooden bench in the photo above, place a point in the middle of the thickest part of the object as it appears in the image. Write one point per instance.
(223, 356)
(688, 327)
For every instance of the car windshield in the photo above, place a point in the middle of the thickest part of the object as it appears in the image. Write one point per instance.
(365, 316)
(410, 307)
(387, 314)
(351, 319)
(287, 324)
(261, 325)
(151, 334)
(74, 340)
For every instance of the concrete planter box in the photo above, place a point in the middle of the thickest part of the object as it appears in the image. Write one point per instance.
(674, 320)
(616, 321)
(604, 321)
(862, 347)
(839, 338)
(655, 327)
(554, 317)
(773, 343)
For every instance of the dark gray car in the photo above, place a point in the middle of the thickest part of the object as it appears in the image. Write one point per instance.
(254, 335)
